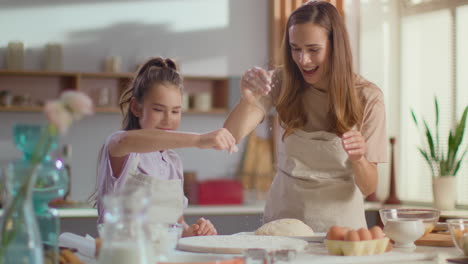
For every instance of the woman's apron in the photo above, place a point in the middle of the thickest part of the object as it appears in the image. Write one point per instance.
(166, 197)
(315, 183)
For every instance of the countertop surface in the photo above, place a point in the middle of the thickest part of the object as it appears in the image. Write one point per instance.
(245, 209)
(317, 253)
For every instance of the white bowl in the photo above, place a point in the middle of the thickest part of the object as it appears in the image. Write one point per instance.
(404, 231)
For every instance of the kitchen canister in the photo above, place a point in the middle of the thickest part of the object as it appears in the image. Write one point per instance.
(15, 55)
(113, 64)
(202, 101)
(53, 57)
(185, 101)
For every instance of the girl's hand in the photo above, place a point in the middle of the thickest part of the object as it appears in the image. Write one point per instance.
(255, 83)
(354, 144)
(220, 139)
(203, 227)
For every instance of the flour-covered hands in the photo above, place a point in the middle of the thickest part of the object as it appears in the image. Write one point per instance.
(202, 227)
(256, 82)
(354, 144)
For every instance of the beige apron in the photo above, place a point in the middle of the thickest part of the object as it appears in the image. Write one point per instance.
(315, 183)
(166, 196)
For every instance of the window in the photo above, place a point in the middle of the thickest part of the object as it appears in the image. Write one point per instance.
(415, 50)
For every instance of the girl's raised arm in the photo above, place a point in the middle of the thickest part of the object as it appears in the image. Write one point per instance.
(150, 140)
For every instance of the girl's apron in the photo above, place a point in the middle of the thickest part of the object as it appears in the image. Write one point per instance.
(315, 183)
(166, 197)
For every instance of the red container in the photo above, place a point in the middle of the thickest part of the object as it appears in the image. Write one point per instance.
(220, 191)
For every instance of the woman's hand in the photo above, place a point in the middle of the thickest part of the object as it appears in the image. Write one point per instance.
(220, 139)
(255, 83)
(354, 144)
(203, 227)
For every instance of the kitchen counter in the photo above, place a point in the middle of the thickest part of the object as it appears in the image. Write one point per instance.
(248, 209)
(317, 254)
(228, 219)
(191, 210)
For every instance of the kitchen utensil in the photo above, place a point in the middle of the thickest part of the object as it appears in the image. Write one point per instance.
(238, 244)
(459, 233)
(404, 231)
(435, 240)
(428, 216)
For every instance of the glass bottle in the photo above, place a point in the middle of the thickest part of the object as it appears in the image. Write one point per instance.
(123, 237)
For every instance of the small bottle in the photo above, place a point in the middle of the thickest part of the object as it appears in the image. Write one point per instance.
(124, 240)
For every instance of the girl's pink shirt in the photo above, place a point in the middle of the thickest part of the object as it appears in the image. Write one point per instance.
(165, 165)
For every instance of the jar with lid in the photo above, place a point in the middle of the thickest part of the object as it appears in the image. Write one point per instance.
(123, 236)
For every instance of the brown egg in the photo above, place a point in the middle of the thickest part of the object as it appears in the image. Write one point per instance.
(352, 235)
(336, 233)
(364, 234)
(376, 232)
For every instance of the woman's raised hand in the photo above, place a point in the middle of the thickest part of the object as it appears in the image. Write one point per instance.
(220, 139)
(354, 144)
(255, 83)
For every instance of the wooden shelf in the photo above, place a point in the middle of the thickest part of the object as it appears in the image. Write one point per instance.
(41, 86)
(38, 73)
(32, 109)
(20, 109)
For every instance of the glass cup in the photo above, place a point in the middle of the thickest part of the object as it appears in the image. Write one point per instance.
(459, 232)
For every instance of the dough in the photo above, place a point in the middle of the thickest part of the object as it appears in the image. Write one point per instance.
(285, 227)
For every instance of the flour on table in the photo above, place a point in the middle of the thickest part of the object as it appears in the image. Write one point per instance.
(285, 227)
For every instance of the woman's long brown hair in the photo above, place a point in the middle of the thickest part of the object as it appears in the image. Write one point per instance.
(345, 105)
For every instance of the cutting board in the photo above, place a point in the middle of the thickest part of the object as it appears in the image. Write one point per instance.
(238, 244)
(435, 240)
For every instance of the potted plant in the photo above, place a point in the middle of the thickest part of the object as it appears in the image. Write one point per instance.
(443, 162)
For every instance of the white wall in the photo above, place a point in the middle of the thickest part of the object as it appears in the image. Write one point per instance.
(215, 37)
(209, 37)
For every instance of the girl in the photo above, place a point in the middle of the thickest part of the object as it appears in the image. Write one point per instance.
(141, 152)
(332, 121)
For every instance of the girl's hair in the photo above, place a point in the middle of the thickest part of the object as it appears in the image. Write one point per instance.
(153, 72)
(342, 96)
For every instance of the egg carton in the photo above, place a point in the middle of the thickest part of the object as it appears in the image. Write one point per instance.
(357, 248)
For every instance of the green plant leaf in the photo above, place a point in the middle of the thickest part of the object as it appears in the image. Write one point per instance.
(437, 124)
(414, 118)
(430, 142)
(426, 157)
(450, 151)
(458, 164)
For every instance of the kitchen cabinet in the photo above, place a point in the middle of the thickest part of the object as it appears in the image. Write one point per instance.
(30, 89)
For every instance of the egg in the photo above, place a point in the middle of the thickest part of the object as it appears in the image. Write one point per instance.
(364, 234)
(336, 233)
(376, 232)
(352, 235)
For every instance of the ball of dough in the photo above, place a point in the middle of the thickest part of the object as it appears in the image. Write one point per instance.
(285, 227)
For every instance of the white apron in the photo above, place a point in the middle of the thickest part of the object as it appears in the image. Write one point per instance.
(315, 183)
(166, 196)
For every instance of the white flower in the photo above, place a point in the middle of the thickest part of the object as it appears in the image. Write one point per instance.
(78, 103)
(58, 115)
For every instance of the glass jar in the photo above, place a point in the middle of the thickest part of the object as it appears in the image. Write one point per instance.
(123, 236)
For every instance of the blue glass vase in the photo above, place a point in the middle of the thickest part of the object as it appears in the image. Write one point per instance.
(51, 182)
(20, 236)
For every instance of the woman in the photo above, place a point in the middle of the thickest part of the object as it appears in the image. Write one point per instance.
(332, 123)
